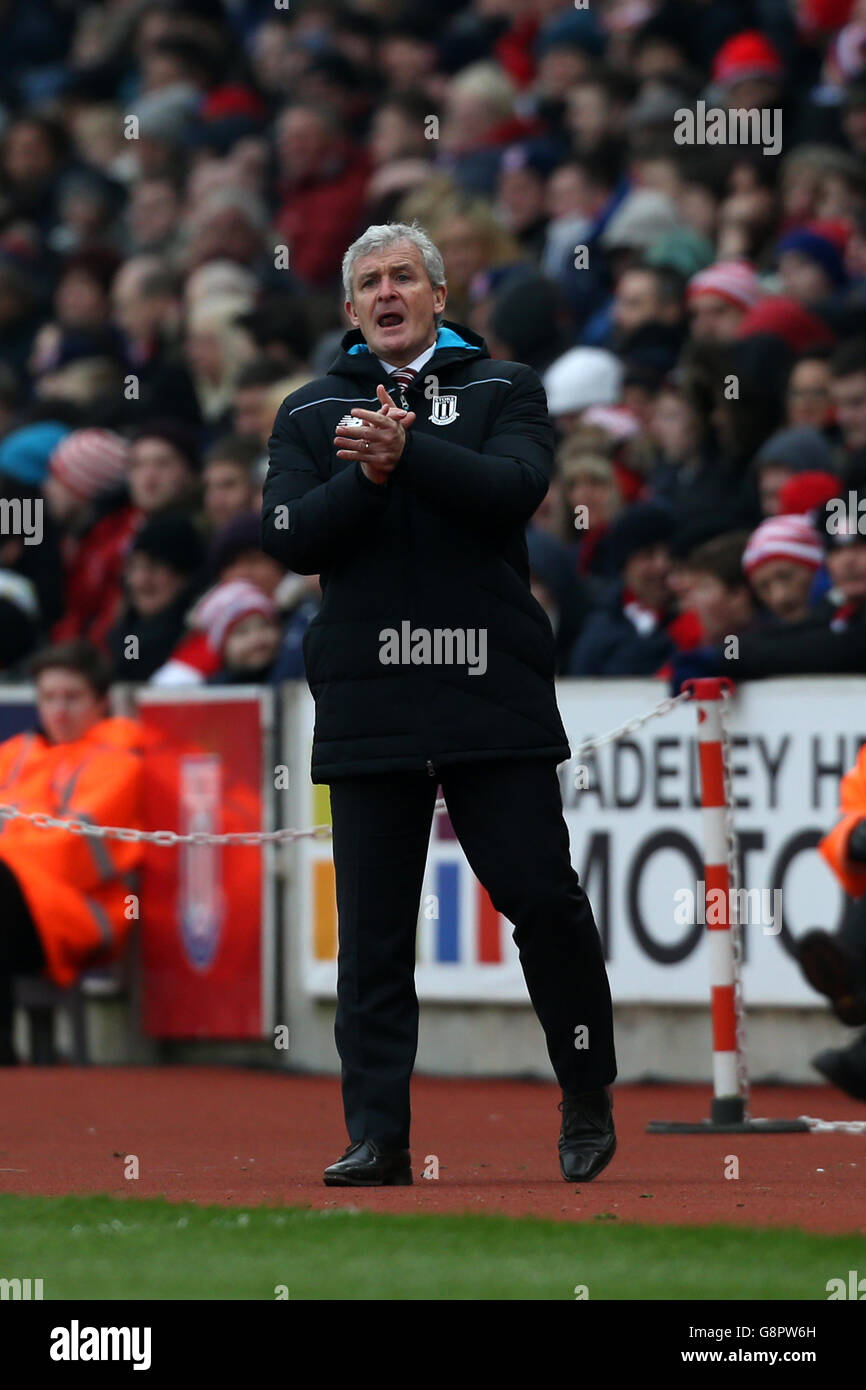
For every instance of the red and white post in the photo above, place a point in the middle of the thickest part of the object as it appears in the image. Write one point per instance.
(730, 1083)
(728, 1101)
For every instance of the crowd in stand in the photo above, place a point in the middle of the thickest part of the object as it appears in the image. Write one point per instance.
(179, 180)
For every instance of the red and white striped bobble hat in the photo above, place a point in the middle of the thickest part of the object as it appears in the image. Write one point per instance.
(784, 538)
(90, 461)
(224, 605)
(735, 281)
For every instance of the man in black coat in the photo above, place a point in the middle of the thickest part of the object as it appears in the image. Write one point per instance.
(405, 478)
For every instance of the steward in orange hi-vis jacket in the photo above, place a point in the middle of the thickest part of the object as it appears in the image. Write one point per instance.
(836, 847)
(834, 962)
(66, 898)
(75, 886)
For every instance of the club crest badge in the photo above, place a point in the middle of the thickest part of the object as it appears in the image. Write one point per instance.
(443, 410)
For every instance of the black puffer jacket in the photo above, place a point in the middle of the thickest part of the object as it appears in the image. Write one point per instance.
(441, 545)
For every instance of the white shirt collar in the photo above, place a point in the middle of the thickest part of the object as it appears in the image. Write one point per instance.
(416, 365)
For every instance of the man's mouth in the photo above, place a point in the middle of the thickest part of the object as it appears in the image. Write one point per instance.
(389, 320)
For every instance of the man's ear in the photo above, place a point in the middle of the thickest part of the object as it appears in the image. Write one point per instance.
(350, 313)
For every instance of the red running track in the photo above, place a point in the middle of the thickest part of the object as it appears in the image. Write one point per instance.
(207, 1134)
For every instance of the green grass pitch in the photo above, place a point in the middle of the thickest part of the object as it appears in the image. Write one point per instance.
(106, 1248)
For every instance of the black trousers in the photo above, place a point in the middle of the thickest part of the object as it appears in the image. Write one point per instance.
(507, 816)
(852, 934)
(21, 952)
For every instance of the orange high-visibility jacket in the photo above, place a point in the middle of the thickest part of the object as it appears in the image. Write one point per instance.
(834, 846)
(76, 887)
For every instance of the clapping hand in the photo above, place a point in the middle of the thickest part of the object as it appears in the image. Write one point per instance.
(378, 442)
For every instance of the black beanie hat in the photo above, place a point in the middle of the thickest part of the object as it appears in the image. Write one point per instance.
(696, 530)
(240, 535)
(524, 315)
(181, 437)
(173, 541)
(637, 528)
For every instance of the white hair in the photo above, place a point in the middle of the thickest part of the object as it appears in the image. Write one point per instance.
(235, 200)
(388, 234)
(488, 83)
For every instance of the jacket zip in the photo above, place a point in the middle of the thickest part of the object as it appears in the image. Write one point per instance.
(404, 405)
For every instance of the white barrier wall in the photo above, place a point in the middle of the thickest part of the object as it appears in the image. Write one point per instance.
(636, 843)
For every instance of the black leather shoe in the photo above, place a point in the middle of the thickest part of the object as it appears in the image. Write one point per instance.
(365, 1164)
(587, 1140)
(831, 971)
(845, 1067)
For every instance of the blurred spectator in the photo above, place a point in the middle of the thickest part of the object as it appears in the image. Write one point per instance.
(719, 298)
(251, 399)
(848, 386)
(397, 129)
(808, 397)
(675, 428)
(216, 349)
(229, 480)
(34, 151)
(471, 240)
(242, 626)
(279, 329)
(594, 498)
(236, 553)
(160, 580)
(719, 593)
(580, 378)
(164, 465)
(152, 216)
(479, 120)
(321, 184)
(87, 498)
(638, 628)
(812, 262)
(779, 562)
(524, 323)
(564, 597)
(147, 308)
(521, 192)
(786, 453)
(230, 224)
